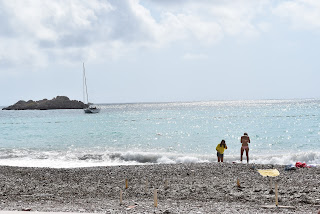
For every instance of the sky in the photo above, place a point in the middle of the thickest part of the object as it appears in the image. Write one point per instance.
(159, 50)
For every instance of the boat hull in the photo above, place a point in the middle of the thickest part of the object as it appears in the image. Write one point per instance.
(91, 110)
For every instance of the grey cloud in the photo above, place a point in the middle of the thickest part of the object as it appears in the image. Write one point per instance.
(6, 30)
(126, 25)
(120, 24)
(46, 43)
(77, 39)
(104, 27)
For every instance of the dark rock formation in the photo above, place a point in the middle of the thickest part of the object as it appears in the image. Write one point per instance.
(59, 102)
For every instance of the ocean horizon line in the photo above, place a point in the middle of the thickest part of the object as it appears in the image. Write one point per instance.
(190, 101)
(199, 101)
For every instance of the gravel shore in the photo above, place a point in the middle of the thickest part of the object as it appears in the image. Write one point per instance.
(181, 188)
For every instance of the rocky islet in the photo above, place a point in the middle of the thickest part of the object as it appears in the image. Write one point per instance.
(59, 102)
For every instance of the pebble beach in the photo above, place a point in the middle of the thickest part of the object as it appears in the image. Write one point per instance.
(180, 188)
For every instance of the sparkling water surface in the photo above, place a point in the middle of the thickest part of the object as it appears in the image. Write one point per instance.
(281, 132)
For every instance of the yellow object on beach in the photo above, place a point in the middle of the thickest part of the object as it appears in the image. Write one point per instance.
(269, 172)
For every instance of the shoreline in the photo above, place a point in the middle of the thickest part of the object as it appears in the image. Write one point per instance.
(181, 188)
(96, 158)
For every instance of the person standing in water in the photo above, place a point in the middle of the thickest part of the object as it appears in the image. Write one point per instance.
(245, 140)
(220, 150)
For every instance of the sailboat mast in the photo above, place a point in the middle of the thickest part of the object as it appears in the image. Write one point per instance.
(85, 90)
(83, 85)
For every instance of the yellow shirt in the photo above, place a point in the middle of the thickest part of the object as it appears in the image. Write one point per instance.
(220, 149)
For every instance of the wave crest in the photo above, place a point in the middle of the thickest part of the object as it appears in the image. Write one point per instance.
(75, 158)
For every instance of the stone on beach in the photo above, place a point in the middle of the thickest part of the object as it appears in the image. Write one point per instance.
(211, 189)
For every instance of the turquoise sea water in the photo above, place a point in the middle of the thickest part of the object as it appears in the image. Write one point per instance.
(281, 132)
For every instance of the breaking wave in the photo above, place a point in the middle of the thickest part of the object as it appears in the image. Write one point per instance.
(72, 159)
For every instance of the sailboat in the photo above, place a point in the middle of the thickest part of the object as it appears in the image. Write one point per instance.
(91, 108)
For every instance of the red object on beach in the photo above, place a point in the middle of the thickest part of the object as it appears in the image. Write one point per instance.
(301, 165)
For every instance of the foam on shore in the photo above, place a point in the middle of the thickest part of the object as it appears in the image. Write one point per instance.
(78, 158)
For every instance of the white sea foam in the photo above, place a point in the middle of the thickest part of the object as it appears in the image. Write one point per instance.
(310, 158)
(63, 159)
(305, 157)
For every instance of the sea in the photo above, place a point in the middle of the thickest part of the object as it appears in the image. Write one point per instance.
(281, 132)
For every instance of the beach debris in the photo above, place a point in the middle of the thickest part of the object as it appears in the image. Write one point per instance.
(238, 182)
(155, 198)
(26, 209)
(166, 184)
(272, 173)
(146, 188)
(276, 191)
(131, 207)
(269, 172)
(271, 191)
(279, 206)
(302, 165)
(126, 183)
(289, 167)
(257, 190)
(277, 201)
(120, 196)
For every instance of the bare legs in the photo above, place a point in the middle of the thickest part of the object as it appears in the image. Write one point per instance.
(247, 154)
(220, 159)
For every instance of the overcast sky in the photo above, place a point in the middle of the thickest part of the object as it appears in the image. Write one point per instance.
(159, 50)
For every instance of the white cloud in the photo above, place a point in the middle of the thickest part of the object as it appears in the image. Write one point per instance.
(20, 53)
(64, 31)
(302, 14)
(237, 17)
(190, 27)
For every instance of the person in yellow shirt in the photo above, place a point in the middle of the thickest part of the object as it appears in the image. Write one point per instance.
(220, 150)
